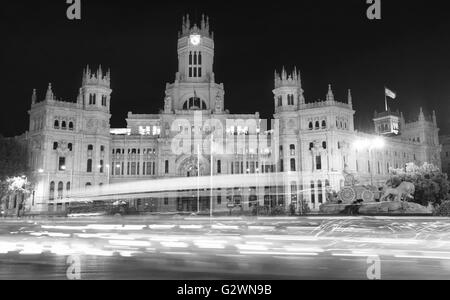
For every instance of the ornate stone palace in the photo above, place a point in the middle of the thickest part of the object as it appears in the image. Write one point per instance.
(73, 147)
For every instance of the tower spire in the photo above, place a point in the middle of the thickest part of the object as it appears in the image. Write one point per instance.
(330, 95)
(34, 97)
(434, 118)
(350, 99)
(49, 95)
(421, 115)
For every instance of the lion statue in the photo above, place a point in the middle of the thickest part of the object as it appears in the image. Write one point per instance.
(404, 191)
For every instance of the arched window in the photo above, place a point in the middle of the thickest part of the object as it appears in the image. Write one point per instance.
(51, 195)
(311, 146)
(88, 184)
(324, 124)
(56, 124)
(64, 125)
(311, 126)
(90, 148)
(194, 103)
(55, 145)
(71, 126)
(324, 145)
(292, 148)
(60, 189)
(104, 98)
(89, 166)
(70, 146)
(68, 186)
(280, 101)
(317, 125)
(313, 193)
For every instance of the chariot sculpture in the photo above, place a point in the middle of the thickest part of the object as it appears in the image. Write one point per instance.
(353, 192)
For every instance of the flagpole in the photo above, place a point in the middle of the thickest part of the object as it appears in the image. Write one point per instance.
(385, 99)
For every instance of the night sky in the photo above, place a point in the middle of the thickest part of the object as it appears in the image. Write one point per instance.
(330, 41)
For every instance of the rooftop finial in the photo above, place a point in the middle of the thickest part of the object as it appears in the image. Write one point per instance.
(350, 99)
(49, 95)
(330, 95)
(33, 97)
(188, 22)
(421, 115)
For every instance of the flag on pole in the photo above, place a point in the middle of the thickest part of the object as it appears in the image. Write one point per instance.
(390, 93)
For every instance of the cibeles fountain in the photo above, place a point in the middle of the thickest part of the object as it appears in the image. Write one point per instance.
(357, 199)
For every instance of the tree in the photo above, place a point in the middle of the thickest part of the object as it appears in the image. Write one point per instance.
(15, 175)
(432, 186)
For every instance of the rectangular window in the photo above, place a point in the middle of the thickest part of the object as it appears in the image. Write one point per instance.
(166, 167)
(166, 201)
(62, 163)
(293, 165)
(318, 162)
(133, 168)
(219, 167)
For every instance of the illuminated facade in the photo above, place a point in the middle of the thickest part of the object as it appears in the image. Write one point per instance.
(73, 147)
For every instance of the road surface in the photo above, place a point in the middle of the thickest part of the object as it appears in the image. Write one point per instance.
(227, 249)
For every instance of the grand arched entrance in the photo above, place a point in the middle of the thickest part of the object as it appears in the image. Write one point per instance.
(193, 200)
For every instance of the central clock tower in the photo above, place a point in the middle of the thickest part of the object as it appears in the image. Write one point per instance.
(195, 87)
(195, 52)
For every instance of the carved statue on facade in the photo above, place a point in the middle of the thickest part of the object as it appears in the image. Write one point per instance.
(219, 104)
(168, 104)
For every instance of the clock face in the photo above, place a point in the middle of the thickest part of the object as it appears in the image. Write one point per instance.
(195, 39)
